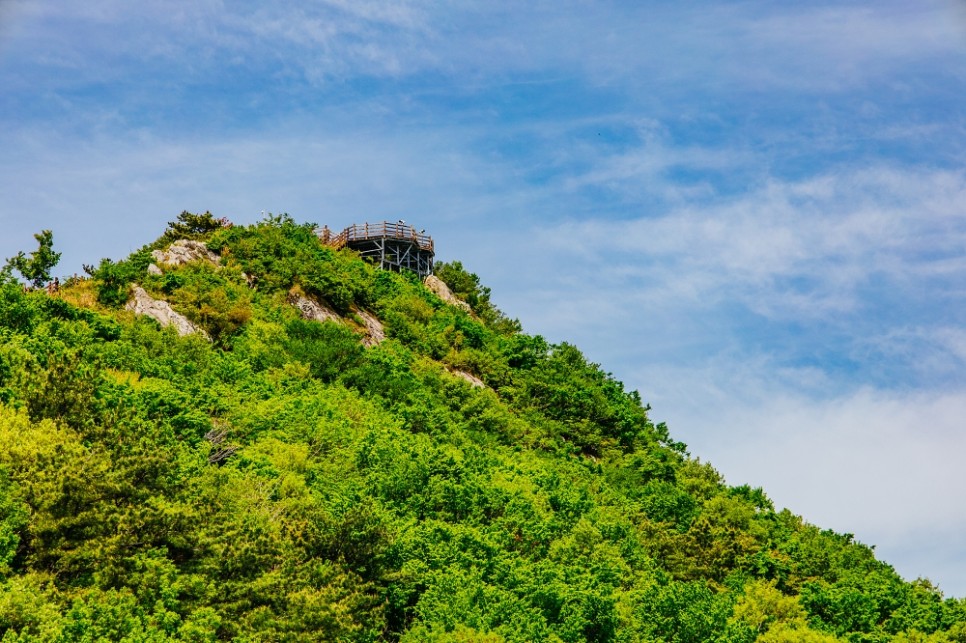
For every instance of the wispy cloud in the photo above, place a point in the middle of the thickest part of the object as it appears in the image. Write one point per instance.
(882, 465)
(842, 45)
(787, 249)
(757, 45)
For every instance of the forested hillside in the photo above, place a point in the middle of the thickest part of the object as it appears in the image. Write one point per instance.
(279, 478)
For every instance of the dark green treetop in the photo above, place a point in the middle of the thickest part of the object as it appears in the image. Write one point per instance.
(36, 266)
(193, 226)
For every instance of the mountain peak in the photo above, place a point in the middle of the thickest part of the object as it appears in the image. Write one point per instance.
(297, 444)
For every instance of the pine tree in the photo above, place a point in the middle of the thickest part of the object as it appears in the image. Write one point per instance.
(36, 267)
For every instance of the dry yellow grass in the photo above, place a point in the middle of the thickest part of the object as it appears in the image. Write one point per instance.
(80, 293)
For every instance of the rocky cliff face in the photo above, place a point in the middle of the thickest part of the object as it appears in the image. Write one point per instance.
(375, 333)
(184, 251)
(442, 291)
(178, 253)
(313, 310)
(162, 312)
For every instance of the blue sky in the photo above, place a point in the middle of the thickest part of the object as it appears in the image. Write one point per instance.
(752, 212)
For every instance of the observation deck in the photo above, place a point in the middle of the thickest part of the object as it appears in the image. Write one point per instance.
(394, 246)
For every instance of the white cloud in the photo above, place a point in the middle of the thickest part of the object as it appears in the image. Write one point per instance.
(787, 249)
(839, 46)
(751, 46)
(884, 465)
(106, 40)
(748, 46)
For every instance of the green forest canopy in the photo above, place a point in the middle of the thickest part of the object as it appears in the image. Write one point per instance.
(282, 482)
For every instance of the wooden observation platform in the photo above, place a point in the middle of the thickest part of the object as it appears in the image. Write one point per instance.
(394, 246)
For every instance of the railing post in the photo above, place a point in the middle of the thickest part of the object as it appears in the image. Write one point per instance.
(397, 234)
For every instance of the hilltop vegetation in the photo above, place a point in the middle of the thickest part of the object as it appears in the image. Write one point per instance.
(283, 482)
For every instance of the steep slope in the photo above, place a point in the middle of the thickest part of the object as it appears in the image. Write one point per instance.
(282, 478)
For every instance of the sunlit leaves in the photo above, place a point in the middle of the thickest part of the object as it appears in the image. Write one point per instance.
(375, 493)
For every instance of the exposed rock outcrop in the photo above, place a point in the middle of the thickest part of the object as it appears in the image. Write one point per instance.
(184, 251)
(375, 333)
(162, 312)
(313, 310)
(442, 291)
(469, 377)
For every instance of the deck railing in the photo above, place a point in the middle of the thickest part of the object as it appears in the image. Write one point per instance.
(383, 230)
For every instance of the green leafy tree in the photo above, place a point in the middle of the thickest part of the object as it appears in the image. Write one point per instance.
(36, 266)
(466, 285)
(113, 279)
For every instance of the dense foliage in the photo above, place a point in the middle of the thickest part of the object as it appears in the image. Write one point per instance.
(284, 483)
